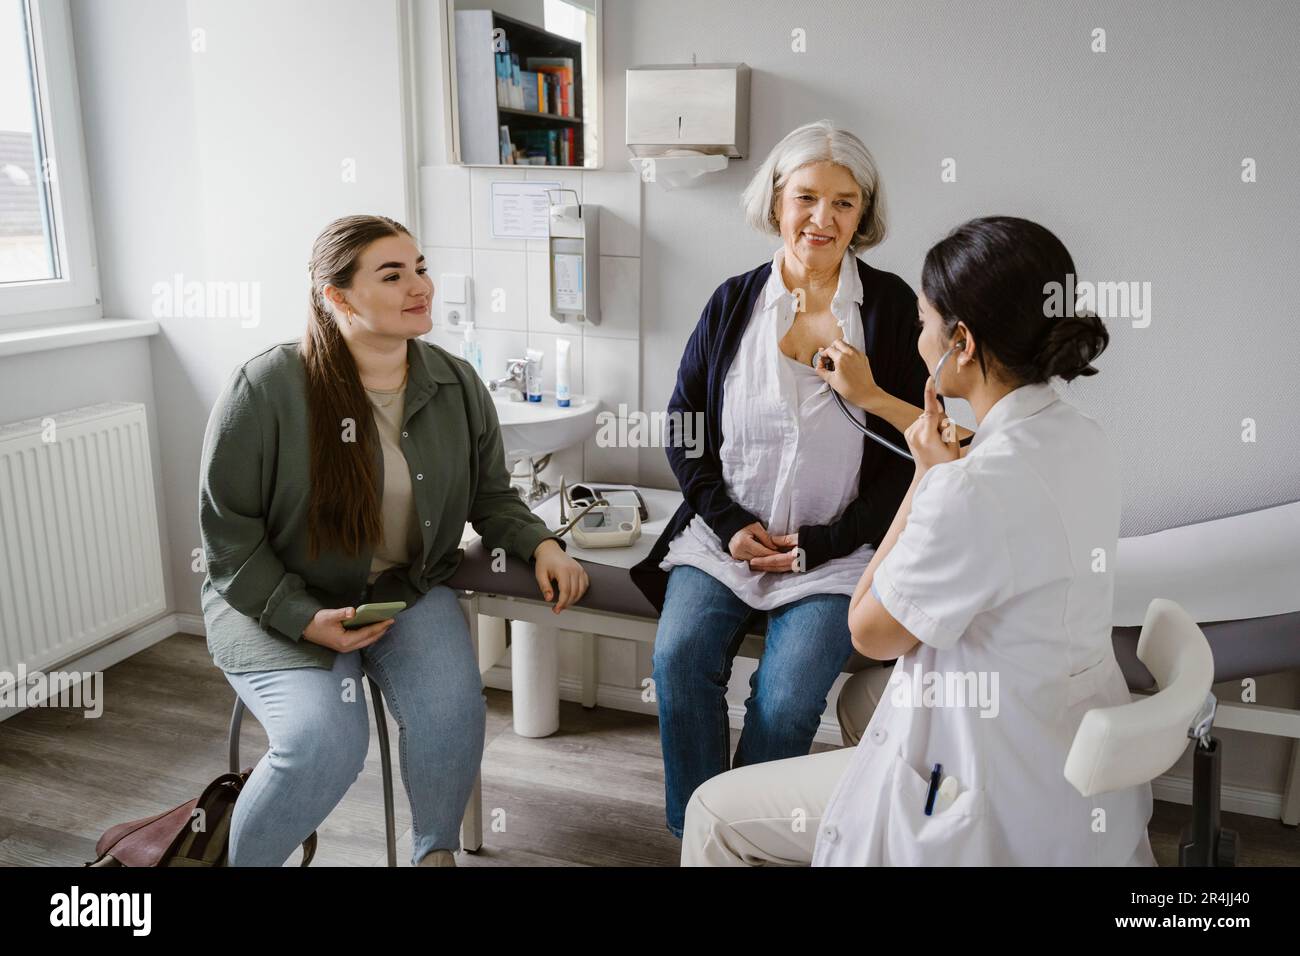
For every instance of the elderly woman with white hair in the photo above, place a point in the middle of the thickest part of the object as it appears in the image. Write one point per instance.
(786, 501)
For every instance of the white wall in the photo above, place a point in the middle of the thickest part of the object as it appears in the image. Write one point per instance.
(137, 116)
(222, 164)
(1132, 157)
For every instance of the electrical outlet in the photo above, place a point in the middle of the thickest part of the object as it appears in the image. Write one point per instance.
(455, 298)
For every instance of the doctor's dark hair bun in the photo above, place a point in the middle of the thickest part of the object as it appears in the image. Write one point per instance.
(1006, 279)
(1072, 343)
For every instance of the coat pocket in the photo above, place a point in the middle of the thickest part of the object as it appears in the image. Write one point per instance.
(958, 835)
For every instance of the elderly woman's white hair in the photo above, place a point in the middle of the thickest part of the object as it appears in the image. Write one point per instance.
(813, 143)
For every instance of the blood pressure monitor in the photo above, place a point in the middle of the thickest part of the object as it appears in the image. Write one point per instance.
(608, 527)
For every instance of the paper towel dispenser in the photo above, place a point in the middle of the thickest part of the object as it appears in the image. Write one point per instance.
(684, 111)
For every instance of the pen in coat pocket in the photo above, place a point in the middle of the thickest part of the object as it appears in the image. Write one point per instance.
(933, 788)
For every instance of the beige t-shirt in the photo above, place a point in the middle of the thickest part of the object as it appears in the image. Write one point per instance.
(401, 538)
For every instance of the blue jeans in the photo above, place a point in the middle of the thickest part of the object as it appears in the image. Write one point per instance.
(318, 726)
(700, 631)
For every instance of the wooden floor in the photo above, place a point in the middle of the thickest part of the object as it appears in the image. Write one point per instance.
(591, 794)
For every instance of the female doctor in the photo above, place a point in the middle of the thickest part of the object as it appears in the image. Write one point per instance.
(992, 588)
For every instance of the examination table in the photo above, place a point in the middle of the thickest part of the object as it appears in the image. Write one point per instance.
(1253, 627)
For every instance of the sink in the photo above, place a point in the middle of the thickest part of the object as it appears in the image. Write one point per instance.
(534, 429)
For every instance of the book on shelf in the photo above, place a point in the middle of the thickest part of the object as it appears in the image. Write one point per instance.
(538, 147)
(561, 68)
(510, 91)
(545, 90)
(529, 82)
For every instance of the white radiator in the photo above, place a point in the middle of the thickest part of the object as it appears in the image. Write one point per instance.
(80, 561)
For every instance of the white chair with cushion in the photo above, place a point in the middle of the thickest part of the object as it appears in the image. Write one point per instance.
(1119, 747)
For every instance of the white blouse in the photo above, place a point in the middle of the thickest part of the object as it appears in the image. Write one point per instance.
(788, 456)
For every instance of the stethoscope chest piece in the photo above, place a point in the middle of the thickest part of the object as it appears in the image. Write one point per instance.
(830, 367)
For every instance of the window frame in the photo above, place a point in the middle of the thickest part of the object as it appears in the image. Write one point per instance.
(74, 297)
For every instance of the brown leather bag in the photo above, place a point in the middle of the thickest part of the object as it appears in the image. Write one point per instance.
(197, 833)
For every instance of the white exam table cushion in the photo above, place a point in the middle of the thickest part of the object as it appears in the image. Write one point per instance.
(1234, 568)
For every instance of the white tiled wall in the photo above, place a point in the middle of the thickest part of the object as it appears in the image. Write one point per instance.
(510, 295)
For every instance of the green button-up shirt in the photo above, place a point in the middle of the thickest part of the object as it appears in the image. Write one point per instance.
(261, 589)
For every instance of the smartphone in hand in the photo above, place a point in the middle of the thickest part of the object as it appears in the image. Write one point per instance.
(374, 613)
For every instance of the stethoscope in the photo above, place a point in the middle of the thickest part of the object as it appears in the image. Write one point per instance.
(839, 399)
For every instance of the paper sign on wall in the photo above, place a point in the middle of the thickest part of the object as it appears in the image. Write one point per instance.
(521, 210)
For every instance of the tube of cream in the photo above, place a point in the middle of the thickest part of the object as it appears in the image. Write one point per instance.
(562, 372)
(533, 375)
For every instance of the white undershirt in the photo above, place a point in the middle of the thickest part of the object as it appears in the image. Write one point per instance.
(788, 456)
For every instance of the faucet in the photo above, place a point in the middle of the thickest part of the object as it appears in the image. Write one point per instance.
(514, 380)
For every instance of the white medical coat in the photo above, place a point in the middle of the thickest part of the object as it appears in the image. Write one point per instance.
(1004, 573)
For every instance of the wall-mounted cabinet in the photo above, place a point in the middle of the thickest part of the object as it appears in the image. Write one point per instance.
(524, 82)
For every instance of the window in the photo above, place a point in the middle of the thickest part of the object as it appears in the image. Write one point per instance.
(576, 19)
(565, 19)
(47, 272)
(27, 248)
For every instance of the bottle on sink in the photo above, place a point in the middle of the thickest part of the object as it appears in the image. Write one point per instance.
(533, 375)
(470, 349)
(562, 397)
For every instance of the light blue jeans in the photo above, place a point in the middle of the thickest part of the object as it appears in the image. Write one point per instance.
(318, 726)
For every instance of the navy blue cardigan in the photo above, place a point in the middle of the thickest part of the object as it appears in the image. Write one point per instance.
(888, 314)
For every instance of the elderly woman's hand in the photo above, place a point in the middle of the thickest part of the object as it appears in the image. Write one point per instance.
(852, 376)
(752, 541)
(784, 561)
(552, 564)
